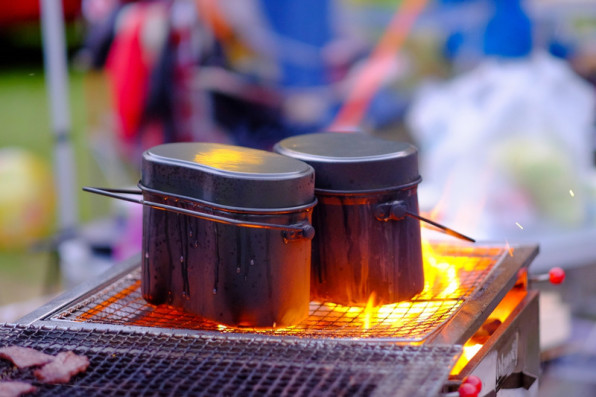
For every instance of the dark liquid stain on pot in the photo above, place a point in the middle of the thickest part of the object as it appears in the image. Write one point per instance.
(268, 266)
(182, 222)
(170, 252)
(217, 258)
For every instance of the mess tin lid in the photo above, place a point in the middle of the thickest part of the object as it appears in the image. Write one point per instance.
(228, 175)
(354, 161)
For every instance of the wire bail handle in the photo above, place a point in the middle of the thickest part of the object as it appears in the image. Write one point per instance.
(289, 232)
(398, 210)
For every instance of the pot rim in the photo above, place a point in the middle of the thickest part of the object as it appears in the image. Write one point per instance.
(371, 192)
(232, 209)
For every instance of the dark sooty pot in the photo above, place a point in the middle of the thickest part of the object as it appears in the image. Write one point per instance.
(250, 266)
(359, 249)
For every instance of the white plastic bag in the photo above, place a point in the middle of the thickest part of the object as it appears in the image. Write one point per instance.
(507, 146)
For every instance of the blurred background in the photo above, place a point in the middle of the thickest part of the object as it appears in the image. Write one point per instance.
(498, 96)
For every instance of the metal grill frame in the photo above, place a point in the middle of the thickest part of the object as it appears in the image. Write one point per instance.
(132, 363)
(124, 305)
(456, 330)
(121, 303)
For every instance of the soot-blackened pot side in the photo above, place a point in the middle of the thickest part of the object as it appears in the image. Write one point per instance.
(356, 255)
(233, 275)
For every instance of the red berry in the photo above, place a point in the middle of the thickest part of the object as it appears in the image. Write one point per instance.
(468, 390)
(556, 275)
(475, 381)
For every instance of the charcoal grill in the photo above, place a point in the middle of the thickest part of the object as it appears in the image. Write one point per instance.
(406, 349)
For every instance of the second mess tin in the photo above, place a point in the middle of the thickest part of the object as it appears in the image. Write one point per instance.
(365, 246)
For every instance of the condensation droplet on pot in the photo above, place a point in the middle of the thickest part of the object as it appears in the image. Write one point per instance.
(195, 244)
(182, 259)
(238, 269)
(147, 255)
(252, 262)
(214, 291)
(190, 233)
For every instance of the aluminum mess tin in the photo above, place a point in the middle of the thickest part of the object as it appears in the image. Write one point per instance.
(236, 247)
(364, 247)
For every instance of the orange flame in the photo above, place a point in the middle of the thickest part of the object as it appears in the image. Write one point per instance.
(441, 285)
(440, 273)
(369, 311)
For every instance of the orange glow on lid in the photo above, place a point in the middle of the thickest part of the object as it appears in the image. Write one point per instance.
(228, 159)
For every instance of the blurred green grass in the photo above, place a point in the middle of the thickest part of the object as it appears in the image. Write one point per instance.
(25, 123)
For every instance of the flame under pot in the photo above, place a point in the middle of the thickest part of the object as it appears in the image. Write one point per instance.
(365, 244)
(242, 257)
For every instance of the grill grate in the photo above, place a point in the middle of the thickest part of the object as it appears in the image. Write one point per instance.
(124, 363)
(412, 321)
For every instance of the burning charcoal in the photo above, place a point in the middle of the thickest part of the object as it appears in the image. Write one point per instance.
(481, 336)
(485, 332)
(62, 368)
(10, 388)
(24, 357)
(491, 325)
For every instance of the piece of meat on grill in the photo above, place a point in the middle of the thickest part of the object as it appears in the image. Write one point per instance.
(24, 357)
(15, 388)
(62, 368)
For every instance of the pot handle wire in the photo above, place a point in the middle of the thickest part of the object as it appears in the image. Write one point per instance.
(289, 232)
(397, 210)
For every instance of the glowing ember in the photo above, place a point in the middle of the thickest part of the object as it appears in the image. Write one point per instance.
(391, 317)
(490, 326)
(469, 351)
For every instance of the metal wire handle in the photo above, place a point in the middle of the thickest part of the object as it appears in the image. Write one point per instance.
(289, 232)
(397, 210)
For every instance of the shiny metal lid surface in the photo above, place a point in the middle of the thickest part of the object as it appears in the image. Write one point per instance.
(354, 161)
(228, 175)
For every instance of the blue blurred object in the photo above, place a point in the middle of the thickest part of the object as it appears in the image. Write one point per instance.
(509, 32)
(454, 1)
(560, 49)
(453, 44)
(304, 25)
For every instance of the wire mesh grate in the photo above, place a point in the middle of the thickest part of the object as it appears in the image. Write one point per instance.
(130, 363)
(450, 279)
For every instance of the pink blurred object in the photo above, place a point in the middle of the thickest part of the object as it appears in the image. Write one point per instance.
(128, 71)
(130, 228)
